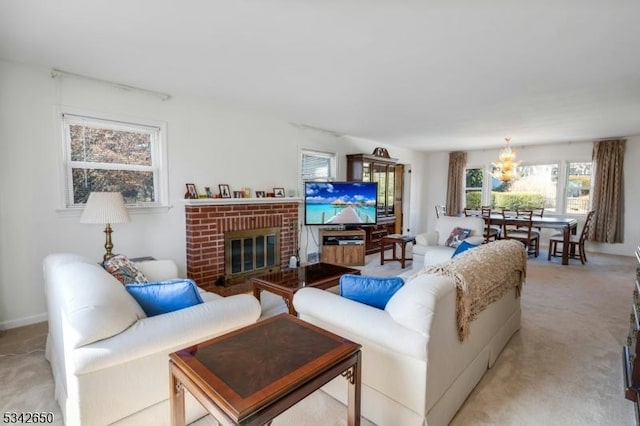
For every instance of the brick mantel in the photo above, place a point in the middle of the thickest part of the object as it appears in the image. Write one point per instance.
(207, 220)
(234, 201)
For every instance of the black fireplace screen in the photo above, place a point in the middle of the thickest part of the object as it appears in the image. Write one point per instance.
(251, 252)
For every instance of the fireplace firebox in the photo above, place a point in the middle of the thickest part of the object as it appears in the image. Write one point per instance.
(251, 252)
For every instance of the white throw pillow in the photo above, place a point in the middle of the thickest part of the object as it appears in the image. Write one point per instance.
(96, 305)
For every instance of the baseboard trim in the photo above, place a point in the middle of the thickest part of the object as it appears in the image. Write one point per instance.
(34, 319)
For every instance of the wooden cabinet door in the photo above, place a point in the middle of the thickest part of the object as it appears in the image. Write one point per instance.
(353, 254)
(330, 254)
(397, 202)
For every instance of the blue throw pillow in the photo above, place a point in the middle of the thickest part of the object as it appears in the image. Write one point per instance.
(464, 246)
(160, 297)
(373, 291)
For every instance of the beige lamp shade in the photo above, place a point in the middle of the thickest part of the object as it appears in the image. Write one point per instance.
(105, 207)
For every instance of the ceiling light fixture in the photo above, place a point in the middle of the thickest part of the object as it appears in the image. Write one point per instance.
(505, 168)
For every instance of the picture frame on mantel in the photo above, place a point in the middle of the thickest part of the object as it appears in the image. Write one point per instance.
(192, 192)
(278, 192)
(260, 194)
(225, 191)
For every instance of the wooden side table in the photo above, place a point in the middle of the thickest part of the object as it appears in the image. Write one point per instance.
(393, 239)
(251, 375)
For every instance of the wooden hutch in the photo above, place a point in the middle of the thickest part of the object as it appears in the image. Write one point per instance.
(379, 167)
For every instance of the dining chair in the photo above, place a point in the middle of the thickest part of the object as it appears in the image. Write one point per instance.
(535, 212)
(491, 233)
(575, 241)
(520, 227)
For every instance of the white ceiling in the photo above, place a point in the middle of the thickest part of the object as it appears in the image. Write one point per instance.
(428, 75)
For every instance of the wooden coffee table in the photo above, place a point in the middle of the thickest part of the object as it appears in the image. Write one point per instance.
(286, 283)
(251, 375)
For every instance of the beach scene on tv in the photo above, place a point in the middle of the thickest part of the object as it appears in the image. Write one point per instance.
(340, 203)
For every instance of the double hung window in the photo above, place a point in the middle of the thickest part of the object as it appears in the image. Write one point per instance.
(578, 194)
(473, 188)
(103, 154)
(317, 165)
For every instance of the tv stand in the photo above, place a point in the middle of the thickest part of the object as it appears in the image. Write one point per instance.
(343, 247)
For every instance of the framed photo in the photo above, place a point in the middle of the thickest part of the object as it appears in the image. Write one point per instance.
(278, 192)
(260, 194)
(225, 192)
(191, 193)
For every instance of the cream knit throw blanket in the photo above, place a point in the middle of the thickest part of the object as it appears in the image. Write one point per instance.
(482, 275)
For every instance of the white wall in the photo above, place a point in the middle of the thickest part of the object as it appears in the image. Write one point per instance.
(437, 165)
(208, 144)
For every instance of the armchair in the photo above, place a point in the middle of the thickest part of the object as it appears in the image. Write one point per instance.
(430, 247)
(108, 358)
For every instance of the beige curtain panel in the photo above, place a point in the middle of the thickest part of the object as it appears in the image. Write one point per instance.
(608, 191)
(455, 182)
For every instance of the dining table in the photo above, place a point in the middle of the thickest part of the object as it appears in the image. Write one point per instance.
(568, 225)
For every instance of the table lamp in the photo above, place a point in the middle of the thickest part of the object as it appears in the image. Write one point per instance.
(105, 208)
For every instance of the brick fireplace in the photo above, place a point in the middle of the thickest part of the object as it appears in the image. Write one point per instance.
(207, 221)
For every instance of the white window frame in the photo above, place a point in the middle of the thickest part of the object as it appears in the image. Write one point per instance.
(69, 115)
(483, 191)
(332, 156)
(565, 183)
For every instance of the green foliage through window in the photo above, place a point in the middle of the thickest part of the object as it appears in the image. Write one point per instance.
(474, 199)
(517, 200)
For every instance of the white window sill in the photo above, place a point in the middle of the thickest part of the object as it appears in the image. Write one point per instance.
(77, 211)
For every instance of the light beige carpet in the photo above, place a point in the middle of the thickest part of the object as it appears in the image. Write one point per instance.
(563, 368)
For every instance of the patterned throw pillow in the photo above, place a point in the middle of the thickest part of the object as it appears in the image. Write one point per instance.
(124, 270)
(456, 237)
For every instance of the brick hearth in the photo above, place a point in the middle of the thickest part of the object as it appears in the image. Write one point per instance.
(208, 220)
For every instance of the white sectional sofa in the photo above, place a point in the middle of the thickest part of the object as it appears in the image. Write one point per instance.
(416, 370)
(430, 248)
(109, 360)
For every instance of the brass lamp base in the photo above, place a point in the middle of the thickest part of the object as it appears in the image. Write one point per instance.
(108, 245)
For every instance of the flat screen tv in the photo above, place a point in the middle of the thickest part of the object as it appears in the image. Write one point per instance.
(348, 204)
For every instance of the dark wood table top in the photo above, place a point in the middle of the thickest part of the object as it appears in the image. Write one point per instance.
(314, 275)
(400, 238)
(248, 369)
(543, 222)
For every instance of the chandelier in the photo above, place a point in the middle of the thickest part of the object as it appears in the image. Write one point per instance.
(505, 168)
